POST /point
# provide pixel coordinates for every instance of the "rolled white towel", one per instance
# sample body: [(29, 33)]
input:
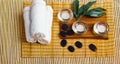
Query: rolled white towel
[(49, 17), (41, 21), (38, 16), (27, 24), (38, 2)]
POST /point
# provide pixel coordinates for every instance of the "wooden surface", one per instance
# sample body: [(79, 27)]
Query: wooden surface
[(105, 48), (10, 37), (90, 34)]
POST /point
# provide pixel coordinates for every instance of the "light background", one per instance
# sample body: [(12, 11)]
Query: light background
[(10, 37)]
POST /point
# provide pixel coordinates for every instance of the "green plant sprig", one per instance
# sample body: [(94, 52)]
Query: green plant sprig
[(84, 10)]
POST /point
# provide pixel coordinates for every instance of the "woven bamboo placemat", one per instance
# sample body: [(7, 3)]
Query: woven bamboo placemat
[(105, 47)]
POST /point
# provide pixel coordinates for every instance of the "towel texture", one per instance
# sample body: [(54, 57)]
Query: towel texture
[(27, 24), (40, 21), (49, 17)]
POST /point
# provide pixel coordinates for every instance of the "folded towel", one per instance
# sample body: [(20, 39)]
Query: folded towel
[(41, 17), (27, 24), (49, 17), (38, 12)]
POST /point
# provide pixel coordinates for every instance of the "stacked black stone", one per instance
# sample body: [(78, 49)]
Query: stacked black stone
[(64, 27), (63, 34), (66, 31), (70, 32)]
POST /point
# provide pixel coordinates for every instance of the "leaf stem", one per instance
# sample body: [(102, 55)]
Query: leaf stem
[(79, 18)]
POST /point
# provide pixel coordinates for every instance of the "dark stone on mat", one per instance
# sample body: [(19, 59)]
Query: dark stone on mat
[(93, 47), (63, 34), (64, 27), (78, 44), (71, 48), (63, 43), (70, 32)]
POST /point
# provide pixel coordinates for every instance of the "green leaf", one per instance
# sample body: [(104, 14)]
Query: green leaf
[(75, 8), (93, 13), (98, 9), (81, 10), (84, 8), (88, 5)]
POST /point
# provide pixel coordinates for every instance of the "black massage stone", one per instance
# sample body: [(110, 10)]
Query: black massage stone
[(64, 27), (71, 48), (63, 43), (93, 47), (63, 34), (78, 44), (70, 32)]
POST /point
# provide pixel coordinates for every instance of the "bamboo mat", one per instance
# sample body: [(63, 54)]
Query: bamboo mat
[(11, 21), (105, 47)]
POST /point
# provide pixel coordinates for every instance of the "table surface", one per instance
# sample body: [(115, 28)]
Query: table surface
[(10, 37)]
